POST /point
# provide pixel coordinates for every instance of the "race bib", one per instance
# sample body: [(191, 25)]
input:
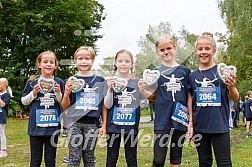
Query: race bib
[(47, 117), (124, 116), (181, 114), (87, 100), (208, 96)]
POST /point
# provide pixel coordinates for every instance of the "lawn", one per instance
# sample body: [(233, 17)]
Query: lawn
[(18, 148)]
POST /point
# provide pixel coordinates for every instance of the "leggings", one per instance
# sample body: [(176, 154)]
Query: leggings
[(130, 147), (161, 142), (3, 137), (82, 141), (36, 146), (221, 148)]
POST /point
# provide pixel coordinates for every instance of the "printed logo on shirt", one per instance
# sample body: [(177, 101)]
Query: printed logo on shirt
[(173, 85)]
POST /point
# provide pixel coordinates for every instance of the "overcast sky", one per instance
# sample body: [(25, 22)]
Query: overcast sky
[(128, 20)]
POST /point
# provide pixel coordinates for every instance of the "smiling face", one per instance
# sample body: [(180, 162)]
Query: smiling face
[(47, 64), (123, 63), (167, 51), (205, 51), (84, 60)]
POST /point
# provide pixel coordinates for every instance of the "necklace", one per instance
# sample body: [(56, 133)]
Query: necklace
[(87, 84), (169, 68), (215, 76)]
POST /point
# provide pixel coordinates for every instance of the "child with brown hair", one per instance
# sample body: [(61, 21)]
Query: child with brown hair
[(44, 94)]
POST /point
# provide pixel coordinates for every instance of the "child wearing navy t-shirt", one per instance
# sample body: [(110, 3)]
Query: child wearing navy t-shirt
[(43, 94), (173, 117), (83, 105), (123, 110), (211, 105), (5, 95)]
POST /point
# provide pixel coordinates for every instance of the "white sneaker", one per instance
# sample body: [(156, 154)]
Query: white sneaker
[(3, 154)]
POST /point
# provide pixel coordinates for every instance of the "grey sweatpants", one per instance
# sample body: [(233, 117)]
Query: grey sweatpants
[(81, 143)]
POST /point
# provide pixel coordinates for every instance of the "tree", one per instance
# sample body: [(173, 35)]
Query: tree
[(147, 57), (237, 15), (30, 27)]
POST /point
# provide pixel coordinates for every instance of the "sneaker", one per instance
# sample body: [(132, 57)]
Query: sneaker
[(3, 154), (66, 159), (248, 134), (94, 159)]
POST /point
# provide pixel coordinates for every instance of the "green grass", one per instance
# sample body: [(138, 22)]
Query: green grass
[(19, 154)]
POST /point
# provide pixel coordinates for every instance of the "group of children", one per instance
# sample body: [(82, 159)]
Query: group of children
[(181, 108)]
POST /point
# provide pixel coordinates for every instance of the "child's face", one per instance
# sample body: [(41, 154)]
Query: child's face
[(84, 60), (2, 86), (205, 51), (123, 63), (47, 64), (167, 51)]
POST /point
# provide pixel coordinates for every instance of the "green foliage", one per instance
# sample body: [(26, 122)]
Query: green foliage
[(28, 28), (244, 86), (238, 51)]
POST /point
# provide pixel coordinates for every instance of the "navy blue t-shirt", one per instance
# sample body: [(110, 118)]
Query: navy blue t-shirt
[(127, 100), (172, 87), (85, 105), (4, 110), (248, 112), (210, 119), (40, 110)]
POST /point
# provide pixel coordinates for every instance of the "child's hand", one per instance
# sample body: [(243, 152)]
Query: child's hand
[(36, 89), (103, 131), (110, 81), (231, 79), (142, 85), (189, 133), (68, 87), (57, 88)]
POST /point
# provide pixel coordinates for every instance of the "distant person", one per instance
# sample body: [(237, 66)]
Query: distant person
[(5, 95), (243, 110), (211, 119), (248, 113)]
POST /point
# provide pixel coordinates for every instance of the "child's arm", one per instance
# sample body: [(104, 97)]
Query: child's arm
[(149, 94), (65, 103), (58, 93), (103, 129), (190, 110), (26, 100), (2, 103), (108, 99)]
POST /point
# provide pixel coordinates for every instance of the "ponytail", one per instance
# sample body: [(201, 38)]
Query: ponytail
[(9, 90)]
